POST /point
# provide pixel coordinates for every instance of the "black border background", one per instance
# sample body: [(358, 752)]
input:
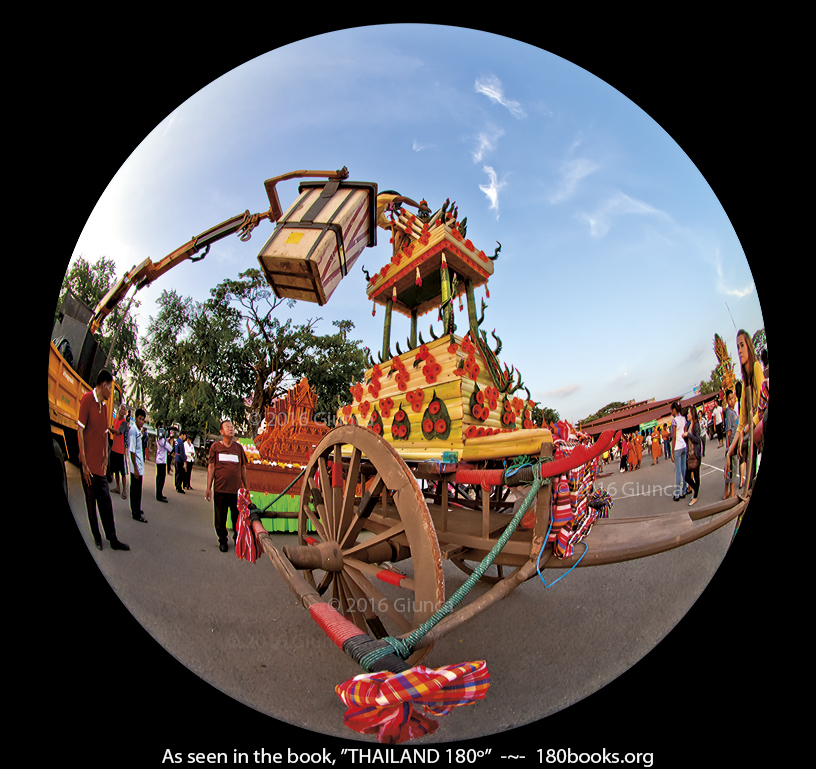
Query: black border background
[(699, 695)]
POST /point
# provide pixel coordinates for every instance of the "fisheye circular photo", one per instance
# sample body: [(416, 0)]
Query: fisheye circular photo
[(408, 386)]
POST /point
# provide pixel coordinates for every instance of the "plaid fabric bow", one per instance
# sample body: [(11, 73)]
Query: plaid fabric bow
[(385, 702), (246, 544)]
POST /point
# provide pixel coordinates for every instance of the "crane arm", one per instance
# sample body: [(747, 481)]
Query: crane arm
[(144, 274)]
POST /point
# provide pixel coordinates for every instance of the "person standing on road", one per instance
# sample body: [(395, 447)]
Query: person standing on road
[(752, 378), (178, 460), (731, 457), (226, 475), (189, 454), (657, 443), (163, 449), (92, 436), (718, 414), (118, 465), (678, 426), (136, 449), (693, 438)]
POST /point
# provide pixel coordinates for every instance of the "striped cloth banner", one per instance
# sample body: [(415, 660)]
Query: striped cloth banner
[(386, 703)]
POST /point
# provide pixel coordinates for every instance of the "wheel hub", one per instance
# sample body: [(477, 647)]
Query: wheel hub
[(324, 555)]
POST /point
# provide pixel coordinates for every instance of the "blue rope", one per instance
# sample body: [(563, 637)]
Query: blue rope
[(540, 552)]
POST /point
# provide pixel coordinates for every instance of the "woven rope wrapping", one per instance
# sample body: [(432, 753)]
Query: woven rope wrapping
[(387, 703), (334, 624)]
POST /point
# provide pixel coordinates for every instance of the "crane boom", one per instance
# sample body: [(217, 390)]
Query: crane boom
[(144, 274)]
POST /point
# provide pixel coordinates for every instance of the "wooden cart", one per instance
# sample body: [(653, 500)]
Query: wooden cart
[(437, 458)]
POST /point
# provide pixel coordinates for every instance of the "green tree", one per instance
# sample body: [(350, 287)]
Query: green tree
[(199, 371), (542, 415), (332, 365), (89, 283)]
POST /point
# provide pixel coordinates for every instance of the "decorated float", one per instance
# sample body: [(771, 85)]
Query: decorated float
[(436, 458), (279, 453)]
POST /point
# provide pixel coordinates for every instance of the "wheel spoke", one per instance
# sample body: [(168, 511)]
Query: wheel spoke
[(383, 536), (350, 495), (326, 493), (315, 515), (364, 509), (382, 604), (337, 490), (361, 606), (372, 570)]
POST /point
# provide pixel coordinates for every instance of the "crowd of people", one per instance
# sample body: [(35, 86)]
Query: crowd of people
[(682, 439), (118, 453)]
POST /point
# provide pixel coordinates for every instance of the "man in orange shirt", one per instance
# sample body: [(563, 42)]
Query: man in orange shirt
[(92, 436), (118, 464)]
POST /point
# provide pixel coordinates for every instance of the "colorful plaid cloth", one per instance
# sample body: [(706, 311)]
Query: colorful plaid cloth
[(385, 703), (246, 544)]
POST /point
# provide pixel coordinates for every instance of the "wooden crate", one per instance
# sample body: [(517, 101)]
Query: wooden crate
[(319, 239)]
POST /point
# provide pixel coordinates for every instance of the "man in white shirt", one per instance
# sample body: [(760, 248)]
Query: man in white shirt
[(189, 451), (678, 425), (136, 451), (163, 448), (718, 424)]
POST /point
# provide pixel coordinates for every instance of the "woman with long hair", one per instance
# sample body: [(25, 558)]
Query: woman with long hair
[(693, 441), (752, 378)]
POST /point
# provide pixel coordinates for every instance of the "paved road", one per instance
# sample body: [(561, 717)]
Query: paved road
[(241, 633)]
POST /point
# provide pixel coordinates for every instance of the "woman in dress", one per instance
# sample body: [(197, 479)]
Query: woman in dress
[(692, 436)]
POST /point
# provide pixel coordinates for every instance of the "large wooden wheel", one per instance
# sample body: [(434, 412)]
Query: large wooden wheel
[(367, 514)]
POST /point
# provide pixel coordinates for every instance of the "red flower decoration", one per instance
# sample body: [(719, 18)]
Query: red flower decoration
[(441, 426), (427, 426), (434, 407)]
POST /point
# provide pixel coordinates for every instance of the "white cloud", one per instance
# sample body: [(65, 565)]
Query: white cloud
[(492, 88), (601, 220), (417, 147), (486, 142), (572, 173), (722, 286), (492, 189)]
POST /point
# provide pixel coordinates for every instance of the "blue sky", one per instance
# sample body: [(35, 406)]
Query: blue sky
[(618, 263)]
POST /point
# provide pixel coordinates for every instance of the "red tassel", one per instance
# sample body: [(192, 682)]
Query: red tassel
[(418, 280)]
